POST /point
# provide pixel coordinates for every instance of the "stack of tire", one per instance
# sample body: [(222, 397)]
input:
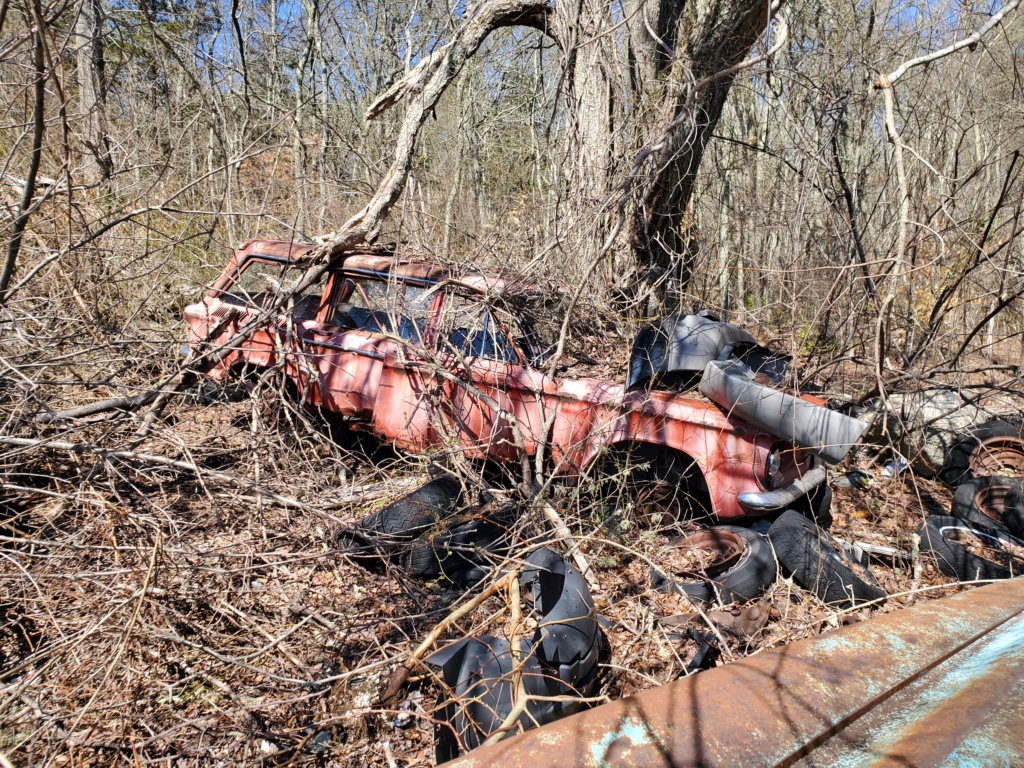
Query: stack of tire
[(982, 538)]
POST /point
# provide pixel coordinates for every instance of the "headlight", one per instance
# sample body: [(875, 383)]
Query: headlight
[(773, 468)]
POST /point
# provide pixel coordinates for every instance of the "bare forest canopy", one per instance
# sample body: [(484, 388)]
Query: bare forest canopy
[(601, 145), (845, 180)]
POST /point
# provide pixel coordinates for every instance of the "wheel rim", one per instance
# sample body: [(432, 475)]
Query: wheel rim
[(998, 456), (991, 501), (727, 548), (992, 549)]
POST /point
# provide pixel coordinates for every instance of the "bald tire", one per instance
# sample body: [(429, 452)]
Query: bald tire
[(819, 564)]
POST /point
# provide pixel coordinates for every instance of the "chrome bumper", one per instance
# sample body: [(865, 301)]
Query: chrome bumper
[(766, 501)]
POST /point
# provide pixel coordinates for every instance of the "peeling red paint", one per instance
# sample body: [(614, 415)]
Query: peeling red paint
[(417, 397)]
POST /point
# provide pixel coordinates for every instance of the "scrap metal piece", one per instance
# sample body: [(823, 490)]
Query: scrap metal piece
[(825, 433), (685, 344), (939, 684), (744, 623)]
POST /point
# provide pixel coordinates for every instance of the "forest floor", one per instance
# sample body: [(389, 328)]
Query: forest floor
[(151, 615)]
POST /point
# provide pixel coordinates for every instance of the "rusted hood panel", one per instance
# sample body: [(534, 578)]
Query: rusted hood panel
[(937, 684)]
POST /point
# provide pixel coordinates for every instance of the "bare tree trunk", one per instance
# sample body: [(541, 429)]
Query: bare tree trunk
[(588, 150), (92, 88), (691, 52), (38, 127), (723, 243), (456, 185)]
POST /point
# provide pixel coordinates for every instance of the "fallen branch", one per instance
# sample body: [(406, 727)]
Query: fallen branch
[(565, 535), (401, 674), (100, 406), (430, 83)]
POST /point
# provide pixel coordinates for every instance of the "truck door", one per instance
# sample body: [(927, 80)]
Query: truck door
[(364, 348), (491, 392)]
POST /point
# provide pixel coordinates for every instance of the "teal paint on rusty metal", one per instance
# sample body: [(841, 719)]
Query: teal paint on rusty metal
[(940, 710), (936, 684), (632, 729)]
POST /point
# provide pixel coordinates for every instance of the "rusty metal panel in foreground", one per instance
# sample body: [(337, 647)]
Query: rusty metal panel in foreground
[(938, 684)]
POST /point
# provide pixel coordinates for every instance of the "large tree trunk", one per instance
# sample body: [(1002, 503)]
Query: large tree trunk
[(674, 77), (677, 70), (582, 27)]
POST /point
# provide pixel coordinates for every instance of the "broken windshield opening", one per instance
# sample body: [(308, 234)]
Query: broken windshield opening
[(257, 281)]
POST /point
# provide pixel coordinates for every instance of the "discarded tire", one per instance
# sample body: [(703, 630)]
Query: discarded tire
[(970, 552), (983, 501), (817, 506), (459, 546), (1013, 511), (743, 566), (559, 660), (994, 447), (819, 564), (389, 531), (415, 512)]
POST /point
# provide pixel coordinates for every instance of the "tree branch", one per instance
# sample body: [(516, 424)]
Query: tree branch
[(38, 126), (885, 81)]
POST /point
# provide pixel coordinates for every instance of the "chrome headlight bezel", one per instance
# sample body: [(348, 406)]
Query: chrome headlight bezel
[(773, 467)]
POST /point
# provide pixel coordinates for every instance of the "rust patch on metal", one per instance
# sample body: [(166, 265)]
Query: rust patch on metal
[(991, 500), (998, 456), (725, 547)]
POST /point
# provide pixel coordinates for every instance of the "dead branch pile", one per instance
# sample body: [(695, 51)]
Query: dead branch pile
[(157, 613)]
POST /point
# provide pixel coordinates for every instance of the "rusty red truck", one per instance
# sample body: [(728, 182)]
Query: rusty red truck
[(424, 358)]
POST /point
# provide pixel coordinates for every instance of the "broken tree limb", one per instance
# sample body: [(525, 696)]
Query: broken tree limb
[(520, 699), (100, 406), (565, 535)]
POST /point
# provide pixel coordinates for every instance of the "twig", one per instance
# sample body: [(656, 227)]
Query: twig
[(59, 445), (401, 674), (565, 535), (915, 558), (520, 698), (126, 636)]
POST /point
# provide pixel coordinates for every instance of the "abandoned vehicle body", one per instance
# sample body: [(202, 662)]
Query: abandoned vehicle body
[(424, 358)]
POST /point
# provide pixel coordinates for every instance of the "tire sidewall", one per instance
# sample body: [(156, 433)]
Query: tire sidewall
[(957, 561), (956, 468), (748, 578), (965, 507), (819, 564)]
